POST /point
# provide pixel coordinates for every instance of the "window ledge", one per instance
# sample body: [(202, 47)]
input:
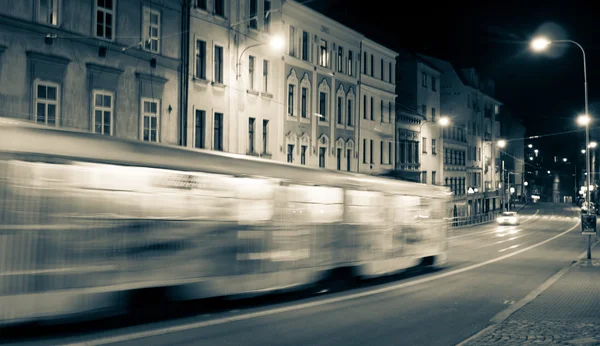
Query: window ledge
[(266, 155), (323, 123), (266, 95), (350, 127), (305, 120), (339, 126), (219, 85), (255, 154), (252, 92), (200, 81)]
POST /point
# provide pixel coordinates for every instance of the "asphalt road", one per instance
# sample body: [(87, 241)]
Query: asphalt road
[(490, 268)]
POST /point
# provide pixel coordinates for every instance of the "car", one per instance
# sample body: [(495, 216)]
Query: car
[(508, 218)]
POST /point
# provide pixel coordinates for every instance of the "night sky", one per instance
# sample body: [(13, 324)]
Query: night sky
[(545, 90)]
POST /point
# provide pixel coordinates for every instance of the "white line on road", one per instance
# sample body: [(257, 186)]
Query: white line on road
[(246, 316), (510, 247), (489, 231)]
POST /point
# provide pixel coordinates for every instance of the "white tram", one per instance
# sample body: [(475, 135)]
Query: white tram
[(85, 218)]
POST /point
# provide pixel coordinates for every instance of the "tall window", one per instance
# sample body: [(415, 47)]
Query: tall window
[(251, 62), (303, 154), (382, 71), (382, 112), (349, 113), (389, 112), (104, 18), (292, 41), (253, 9), (348, 159), (365, 63), (218, 65), (423, 79), (200, 129), (251, 122), (390, 151), (381, 152), (350, 63), (323, 106), (365, 107), (364, 150), (266, 75), (218, 132), (372, 66), (424, 110), (433, 146), (200, 59), (150, 118), (48, 12), (340, 60), (265, 136), (433, 83), (201, 4), (371, 151), (323, 54), (290, 153), (267, 16), (220, 8), (291, 99), (151, 30), (305, 45), (424, 145), (303, 105), (322, 152), (47, 103), (372, 109), (103, 112), (339, 159), (390, 72), (340, 110), (433, 114)]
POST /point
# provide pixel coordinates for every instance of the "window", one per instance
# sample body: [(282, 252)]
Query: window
[(47, 101), (423, 79), (371, 151), (251, 122), (372, 66), (104, 18), (303, 154), (424, 177), (291, 99), (251, 61), (103, 112), (349, 113), (364, 150), (218, 132), (340, 110), (265, 136), (200, 129), (340, 61), (201, 4), (365, 63), (303, 112), (382, 73), (433, 146), (266, 75), (433, 114), (323, 54), (200, 59), (390, 151), (322, 152), (267, 16), (218, 65), (150, 115), (151, 33), (290, 153), (390, 72), (424, 145), (433, 177), (220, 8), (389, 112), (433, 83), (350, 63), (339, 159), (305, 45), (381, 152), (348, 159), (424, 110), (48, 12), (253, 10), (323, 106), (382, 112), (372, 108), (365, 107), (292, 41)]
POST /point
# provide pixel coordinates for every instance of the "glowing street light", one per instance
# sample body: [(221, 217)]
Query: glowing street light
[(564, 159), (530, 146), (536, 151), (539, 44), (583, 119), (276, 42), (444, 121), (525, 183), (593, 145), (501, 143), (583, 151)]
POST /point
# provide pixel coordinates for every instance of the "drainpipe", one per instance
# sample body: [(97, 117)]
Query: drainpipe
[(184, 72)]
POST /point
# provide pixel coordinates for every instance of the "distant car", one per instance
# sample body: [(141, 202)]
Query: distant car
[(508, 218)]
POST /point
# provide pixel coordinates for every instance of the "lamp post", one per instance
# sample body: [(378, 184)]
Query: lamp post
[(276, 42), (502, 145), (540, 44), (442, 122)]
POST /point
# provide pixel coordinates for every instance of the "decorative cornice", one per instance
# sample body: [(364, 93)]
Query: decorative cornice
[(47, 58), (102, 69), (144, 77)]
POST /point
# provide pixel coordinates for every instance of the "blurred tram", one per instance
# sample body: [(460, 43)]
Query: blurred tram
[(87, 219)]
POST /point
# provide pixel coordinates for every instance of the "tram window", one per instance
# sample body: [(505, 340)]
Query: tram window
[(406, 209), (364, 207), (313, 204)]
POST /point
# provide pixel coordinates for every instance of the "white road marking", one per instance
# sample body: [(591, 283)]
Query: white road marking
[(510, 247), (250, 315), (489, 231)]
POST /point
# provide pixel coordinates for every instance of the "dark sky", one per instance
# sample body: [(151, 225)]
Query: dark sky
[(545, 90)]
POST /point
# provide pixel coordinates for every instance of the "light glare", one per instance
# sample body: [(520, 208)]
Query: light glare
[(583, 119), (539, 44), (444, 121), (593, 144), (277, 43), (501, 143)]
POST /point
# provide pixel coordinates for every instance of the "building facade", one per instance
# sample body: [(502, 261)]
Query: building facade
[(97, 66), (418, 103)]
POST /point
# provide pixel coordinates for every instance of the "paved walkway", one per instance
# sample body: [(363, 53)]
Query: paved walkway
[(567, 313)]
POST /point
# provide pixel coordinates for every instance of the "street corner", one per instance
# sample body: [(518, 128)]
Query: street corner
[(588, 263)]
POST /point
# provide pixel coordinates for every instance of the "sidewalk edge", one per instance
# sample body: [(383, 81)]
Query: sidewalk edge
[(479, 334)]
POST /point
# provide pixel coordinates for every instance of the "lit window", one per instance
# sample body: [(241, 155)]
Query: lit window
[(324, 54)]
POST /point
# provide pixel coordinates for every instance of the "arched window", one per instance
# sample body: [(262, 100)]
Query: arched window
[(305, 99), (350, 104), (292, 92), (340, 106), (323, 104)]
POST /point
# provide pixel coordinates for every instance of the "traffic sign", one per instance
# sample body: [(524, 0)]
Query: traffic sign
[(588, 224)]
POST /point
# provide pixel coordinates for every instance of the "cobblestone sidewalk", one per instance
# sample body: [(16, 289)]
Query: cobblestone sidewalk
[(567, 313)]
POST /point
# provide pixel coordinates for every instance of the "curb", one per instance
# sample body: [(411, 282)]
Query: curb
[(502, 316)]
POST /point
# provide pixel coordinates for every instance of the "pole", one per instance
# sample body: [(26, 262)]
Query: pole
[(502, 184), (587, 152), (509, 194)]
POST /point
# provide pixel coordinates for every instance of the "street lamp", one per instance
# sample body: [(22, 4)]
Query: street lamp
[(442, 122), (539, 44), (530, 146), (275, 42), (564, 159)]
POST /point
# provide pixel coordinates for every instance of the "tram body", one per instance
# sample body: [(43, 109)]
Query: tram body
[(84, 219)]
